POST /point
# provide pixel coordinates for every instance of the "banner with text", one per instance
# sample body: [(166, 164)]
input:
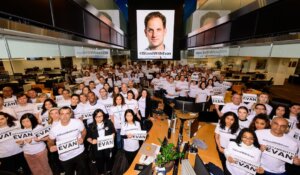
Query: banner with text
[(139, 135), (217, 52), (64, 146), (43, 132), (105, 142), (279, 151), (217, 100), (92, 52), (6, 134), (22, 134), (249, 98)]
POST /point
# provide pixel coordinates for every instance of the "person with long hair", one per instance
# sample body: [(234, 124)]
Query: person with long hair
[(116, 115), (245, 148), (227, 128), (11, 154), (44, 114), (145, 106), (100, 127), (295, 135), (35, 151), (260, 121), (131, 124), (202, 96), (116, 91), (132, 103)]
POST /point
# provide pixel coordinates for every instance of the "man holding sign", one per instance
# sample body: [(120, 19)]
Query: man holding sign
[(69, 135), (277, 147)]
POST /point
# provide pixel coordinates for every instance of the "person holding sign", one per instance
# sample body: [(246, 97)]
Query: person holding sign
[(10, 100), (277, 147), (44, 114), (34, 149), (233, 106), (227, 128), (295, 134), (244, 122), (243, 154), (7, 110), (100, 128), (69, 134), (131, 146), (11, 154)]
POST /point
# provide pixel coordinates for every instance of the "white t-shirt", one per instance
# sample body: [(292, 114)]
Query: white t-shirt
[(231, 107), (184, 87), (225, 135), (193, 90), (244, 123), (132, 104), (9, 111), (10, 102), (38, 107), (100, 129), (270, 163), (89, 109), (71, 131), (118, 113), (250, 154), (108, 103), (201, 95), (295, 135), (63, 103), (34, 147), (8, 145), (77, 111), (130, 144), (44, 117), (20, 110), (170, 88), (142, 106), (156, 84)]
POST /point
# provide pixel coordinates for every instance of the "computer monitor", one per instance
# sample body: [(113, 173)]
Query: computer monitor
[(147, 170), (199, 167), (185, 106)]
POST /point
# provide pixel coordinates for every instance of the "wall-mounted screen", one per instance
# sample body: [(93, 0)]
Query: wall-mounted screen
[(155, 34)]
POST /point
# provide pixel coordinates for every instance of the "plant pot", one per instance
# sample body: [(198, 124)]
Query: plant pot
[(169, 166)]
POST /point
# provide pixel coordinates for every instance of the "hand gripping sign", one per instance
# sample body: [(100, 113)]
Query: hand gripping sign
[(105, 142)]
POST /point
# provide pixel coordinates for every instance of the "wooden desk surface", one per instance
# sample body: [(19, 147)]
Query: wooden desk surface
[(205, 133)]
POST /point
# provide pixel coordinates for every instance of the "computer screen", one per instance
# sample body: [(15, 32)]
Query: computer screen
[(199, 167)]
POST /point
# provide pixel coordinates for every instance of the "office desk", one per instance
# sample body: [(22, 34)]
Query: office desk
[(160, 129)]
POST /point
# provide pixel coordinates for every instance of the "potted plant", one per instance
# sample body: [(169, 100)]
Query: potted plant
[(167, 156)]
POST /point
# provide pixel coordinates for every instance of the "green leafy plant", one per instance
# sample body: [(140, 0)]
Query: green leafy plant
[(168, 153)]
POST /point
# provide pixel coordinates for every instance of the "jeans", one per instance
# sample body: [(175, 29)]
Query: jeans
[(119, 139)]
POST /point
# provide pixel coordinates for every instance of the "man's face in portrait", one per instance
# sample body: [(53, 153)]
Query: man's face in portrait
[(155, 32)]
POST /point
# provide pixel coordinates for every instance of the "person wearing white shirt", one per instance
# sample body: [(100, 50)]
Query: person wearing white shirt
[(79, 90), (69, 129), (32, 96), (89, 109), (23, 107), (134, 90), (131, 102), (227, 128), (11, 154), (76, 108), (131, 146), (34, 149), (193, 90), (10, 100), (294, 111), (233, 106), (116, 115), (258, 109), (124, 90), (93, 88), (275, 139), (43, 115), (155, 82), (244, 121), (182, 87), (66, 100), (244, 148), (202, 96), (295, 135), (263, 98), (105, 100), (171, 90), (8, 110)]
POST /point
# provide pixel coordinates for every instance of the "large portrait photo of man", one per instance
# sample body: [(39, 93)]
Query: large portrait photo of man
[(155, 33)]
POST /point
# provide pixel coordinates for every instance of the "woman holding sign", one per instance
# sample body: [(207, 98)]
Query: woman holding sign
[(35, 151), (11, 154), (44, 114), (131, 146), (98, 130), (243, 154)]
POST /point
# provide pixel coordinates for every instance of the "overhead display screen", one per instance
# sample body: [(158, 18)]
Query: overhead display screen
[(155, 34)]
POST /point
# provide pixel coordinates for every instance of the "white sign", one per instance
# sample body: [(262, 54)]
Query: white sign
[(92, 52), (22, 134), (11, 102), (6, 134), (245, 165), (204, 53), (251, 98), (217, 90), (217, 100), (105, 142), (87, 115), (67, 145), (139, 135), (38, 106), (43, 132), (276, 151)]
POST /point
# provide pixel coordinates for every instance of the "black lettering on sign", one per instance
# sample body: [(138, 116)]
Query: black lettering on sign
[(21, 135), (67, 146), (43, 132), (281, 154)]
